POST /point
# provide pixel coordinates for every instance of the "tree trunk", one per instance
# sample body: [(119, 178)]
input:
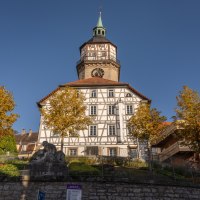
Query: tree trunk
[(196, 157), (62, 143), (150, 156)]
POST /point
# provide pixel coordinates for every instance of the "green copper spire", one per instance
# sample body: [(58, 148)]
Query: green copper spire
[(99, 30), (99, 23)]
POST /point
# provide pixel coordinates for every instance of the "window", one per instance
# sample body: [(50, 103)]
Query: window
[(129, 109), (23, 148), (128, 95), (112, 151), (91, 54), (111, 130), (92, 151), (110, 93), (93, 110), (103, 53), (93, 94), (99, 32), (133, 152), (93, 130), (111, 110), (102, 32), (72, 152)]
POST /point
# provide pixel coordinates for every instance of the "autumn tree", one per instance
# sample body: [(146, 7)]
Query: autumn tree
[(64, 113), (7, 118), (146, 124), (188, 118)]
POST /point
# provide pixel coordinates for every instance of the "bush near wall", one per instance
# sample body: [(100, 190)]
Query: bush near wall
[(7, 144)]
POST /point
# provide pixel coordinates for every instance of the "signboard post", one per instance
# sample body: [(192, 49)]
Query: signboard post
[(74, 192), (41, 195)]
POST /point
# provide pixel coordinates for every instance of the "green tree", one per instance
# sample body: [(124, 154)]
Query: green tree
[(65, 113), (7, 143), (188, 118), (146, 125), (7, 118)]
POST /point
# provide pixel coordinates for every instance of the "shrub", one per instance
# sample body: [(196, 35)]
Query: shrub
[(9, 170), (121, 161), (7, 158), (82, 159), (7, 144), (20, 164), (82, 169), (138, 164)]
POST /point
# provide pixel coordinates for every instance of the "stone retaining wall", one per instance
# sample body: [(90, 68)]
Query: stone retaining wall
[(97, 191)]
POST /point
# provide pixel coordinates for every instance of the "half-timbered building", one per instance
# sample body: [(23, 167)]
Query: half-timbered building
[(108, 100)]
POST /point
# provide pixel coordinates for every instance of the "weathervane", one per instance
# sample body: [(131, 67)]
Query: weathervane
[(100, 7)]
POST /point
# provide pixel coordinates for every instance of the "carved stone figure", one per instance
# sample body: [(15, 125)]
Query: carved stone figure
[(48, 153), (48, 162)]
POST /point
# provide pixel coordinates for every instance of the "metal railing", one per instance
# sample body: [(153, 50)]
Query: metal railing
[(98, 58), (172, 150)]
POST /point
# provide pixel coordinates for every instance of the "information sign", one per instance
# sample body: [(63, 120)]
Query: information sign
[(74, 192)]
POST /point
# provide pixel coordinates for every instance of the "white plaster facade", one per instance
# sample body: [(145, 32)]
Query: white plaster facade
[(111, 106)]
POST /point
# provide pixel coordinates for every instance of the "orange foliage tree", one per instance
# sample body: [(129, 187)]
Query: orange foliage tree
[(64, 113), (188, 118), (7, 118)]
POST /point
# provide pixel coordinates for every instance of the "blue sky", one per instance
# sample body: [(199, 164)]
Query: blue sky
[(158, 46)]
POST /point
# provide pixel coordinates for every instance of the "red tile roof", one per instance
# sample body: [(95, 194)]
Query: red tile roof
[(26, 138), (167, 123), (95, 81)]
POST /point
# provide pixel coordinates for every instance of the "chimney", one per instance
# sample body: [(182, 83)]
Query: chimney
[(23, 131), (30, 132)]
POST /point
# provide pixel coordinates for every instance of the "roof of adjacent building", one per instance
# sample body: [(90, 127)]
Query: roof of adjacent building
[(26, 138), (93, 82)]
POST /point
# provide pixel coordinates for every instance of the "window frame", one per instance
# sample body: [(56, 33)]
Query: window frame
[(93, 110), (71, 149), (92, 150), (111, 109), (111, 93), (133, 152), (112, 131), (93, 93), (129, 109), (92, 131), (114, 149), (128, 95)]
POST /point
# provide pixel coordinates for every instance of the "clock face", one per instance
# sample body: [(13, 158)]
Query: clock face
[(97, 72)]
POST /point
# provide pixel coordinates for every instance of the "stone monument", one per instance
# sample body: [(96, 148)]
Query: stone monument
[(48, 163)]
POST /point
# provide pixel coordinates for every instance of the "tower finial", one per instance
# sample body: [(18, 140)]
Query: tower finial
[(99, 30), (99, 22), (100, 7)]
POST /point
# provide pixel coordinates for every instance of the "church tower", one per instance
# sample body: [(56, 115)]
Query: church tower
[(98, 56)]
